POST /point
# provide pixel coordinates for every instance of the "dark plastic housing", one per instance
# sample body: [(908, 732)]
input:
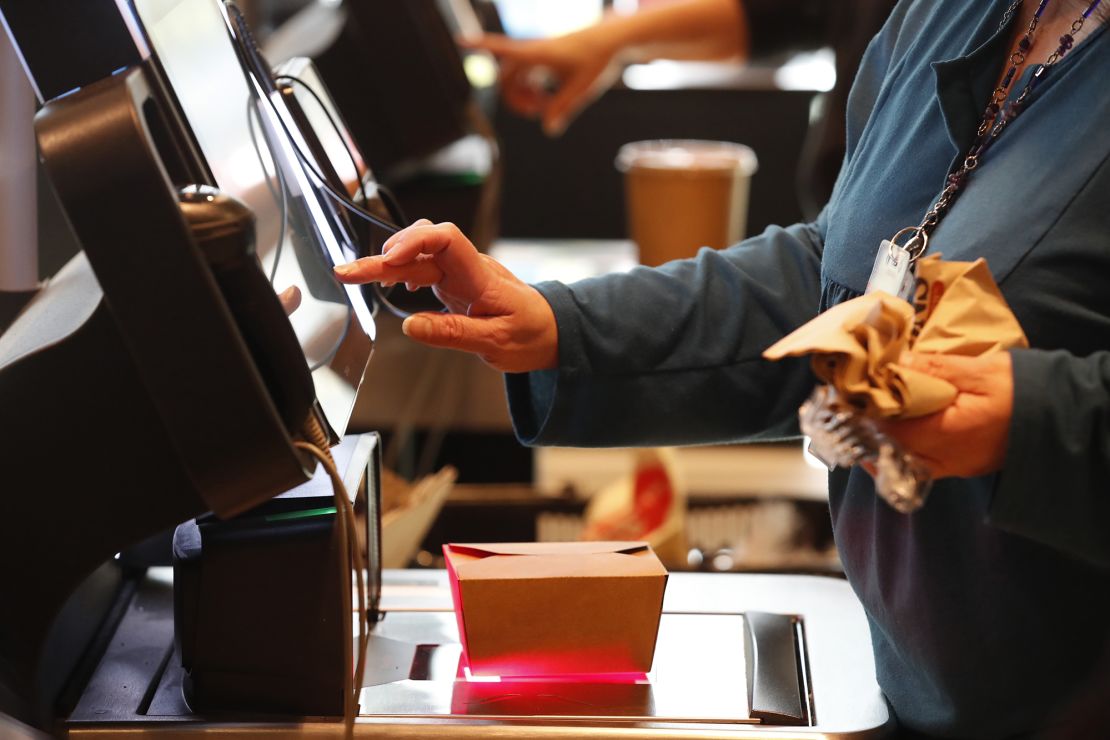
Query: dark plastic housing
[(263, 616), (148, 412), (396, 74)]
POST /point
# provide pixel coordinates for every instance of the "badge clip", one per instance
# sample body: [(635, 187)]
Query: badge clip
[(893, 271)]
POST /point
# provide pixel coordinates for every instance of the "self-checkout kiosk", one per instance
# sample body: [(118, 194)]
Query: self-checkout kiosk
[(175, 377), (157, 377)]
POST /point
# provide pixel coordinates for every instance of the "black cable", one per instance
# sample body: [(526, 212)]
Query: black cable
[(392, 203), (381, 293), (253, 62), (334, 124), (284, 205)]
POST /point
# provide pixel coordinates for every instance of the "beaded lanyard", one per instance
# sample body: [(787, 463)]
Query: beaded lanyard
[(893, 264)]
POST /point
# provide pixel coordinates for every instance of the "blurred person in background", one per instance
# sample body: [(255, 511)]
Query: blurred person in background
[(553, 79)]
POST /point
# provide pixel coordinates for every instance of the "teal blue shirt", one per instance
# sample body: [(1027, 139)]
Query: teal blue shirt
[(989, 607)]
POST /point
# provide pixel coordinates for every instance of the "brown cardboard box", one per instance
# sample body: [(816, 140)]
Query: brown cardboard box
[(544, 609)]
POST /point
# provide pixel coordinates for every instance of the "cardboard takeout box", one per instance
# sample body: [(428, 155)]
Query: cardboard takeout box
[(545, 609)]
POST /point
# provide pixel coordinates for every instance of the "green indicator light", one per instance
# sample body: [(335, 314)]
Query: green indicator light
[(306, 514)]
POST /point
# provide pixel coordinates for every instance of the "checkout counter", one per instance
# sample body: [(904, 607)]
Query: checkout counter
[(738, 656)]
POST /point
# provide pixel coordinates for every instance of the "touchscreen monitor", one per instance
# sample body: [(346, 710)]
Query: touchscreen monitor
[(257, 154)]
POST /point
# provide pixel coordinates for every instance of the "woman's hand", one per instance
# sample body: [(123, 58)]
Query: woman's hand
[(969, 437), (492, 313), (553, 79)]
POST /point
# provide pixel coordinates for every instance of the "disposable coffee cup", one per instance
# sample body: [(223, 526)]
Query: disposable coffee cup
[(682, 195)]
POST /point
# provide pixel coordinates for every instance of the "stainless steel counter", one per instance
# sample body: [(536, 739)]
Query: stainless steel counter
[(695, 690)]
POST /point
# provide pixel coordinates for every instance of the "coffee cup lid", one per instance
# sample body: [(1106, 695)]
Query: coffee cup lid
[(687, 154)]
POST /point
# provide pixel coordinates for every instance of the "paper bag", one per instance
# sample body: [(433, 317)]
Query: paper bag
[(856, 346)]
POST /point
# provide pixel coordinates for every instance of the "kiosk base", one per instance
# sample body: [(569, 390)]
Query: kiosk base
[(698, 688)]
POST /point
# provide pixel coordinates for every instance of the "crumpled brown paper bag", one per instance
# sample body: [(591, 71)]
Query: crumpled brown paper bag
[(856, 345)]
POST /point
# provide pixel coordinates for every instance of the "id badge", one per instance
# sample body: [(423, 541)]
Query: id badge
[(892, 272)]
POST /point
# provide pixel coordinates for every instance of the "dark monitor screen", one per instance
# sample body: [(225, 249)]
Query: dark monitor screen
[(394, 70), (92, 31), (255, 152)]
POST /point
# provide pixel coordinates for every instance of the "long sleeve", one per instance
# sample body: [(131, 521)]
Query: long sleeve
[(1054, 485), (673, 354)]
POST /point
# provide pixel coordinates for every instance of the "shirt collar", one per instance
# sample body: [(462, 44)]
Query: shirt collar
[(964, 83)]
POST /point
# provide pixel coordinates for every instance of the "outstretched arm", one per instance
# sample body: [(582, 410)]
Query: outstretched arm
[(583, 62), (667, 355)]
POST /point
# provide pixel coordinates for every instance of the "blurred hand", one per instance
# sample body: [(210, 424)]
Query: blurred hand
[(579, 66), (582, 64), (969, 437), (492, 313)]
